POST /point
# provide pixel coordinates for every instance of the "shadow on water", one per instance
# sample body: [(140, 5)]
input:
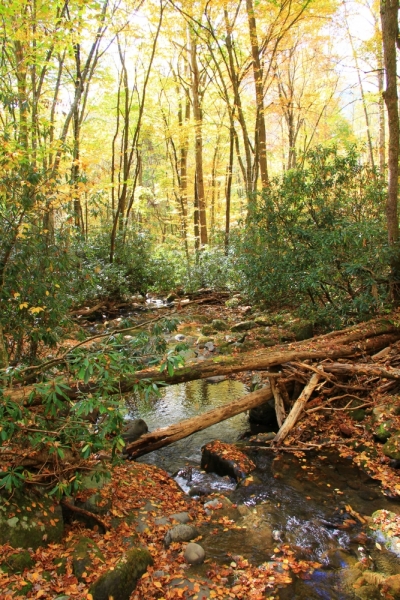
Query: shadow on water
[(299, 501)]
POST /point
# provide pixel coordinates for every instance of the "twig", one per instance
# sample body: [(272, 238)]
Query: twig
[(85, 513)]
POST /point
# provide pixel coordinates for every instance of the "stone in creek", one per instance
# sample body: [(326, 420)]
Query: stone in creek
[(198, 490), (194, 554), (133, 430), (180, 533), (226, 459)]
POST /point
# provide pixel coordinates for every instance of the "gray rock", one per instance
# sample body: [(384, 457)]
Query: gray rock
[(194, 554), (180, 337), (120, 582), (209, 346), (161, 521), (182, 517), (134, 430), (244, 326), (180, 533)]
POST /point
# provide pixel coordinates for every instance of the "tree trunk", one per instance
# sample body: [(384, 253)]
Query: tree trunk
[(258, 80), (354, 343), (389, 18), (3, 350), (168, 435), (198, 127)]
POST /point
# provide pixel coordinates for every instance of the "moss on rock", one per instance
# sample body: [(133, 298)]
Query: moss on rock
[(120, 582)]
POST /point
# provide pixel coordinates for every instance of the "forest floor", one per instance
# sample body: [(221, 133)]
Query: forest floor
[(133, 485)]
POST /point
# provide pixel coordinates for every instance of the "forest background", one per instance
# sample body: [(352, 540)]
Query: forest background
[(154, 146)]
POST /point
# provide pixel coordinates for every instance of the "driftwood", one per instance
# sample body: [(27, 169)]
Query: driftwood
[(297, 409), (167, 435)]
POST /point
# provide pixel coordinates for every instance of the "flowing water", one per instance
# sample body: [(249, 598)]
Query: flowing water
[(299, 501)]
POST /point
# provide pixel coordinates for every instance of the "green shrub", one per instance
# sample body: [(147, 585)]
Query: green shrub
[(316, 239)]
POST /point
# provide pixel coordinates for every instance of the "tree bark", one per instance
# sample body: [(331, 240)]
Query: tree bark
[(168, 435), (389, 18)]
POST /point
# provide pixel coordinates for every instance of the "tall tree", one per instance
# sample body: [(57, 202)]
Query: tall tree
[(390, 36)]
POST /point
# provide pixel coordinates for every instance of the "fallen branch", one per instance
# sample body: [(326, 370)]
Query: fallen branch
[(297, 409), (84, 513), (168, 435), (279, 406)]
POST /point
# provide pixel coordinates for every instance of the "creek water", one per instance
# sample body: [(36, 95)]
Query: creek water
[(301, 501)]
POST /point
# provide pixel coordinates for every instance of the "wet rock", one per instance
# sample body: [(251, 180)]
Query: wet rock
[(225, 459), (199, 490), (382, 524), (180, 533), (120, 582), (194, 554), (83, 554), (134, 430), (171, 297), (392, 446), (30, 521), (265, 415), (244, 326), (219, 325)]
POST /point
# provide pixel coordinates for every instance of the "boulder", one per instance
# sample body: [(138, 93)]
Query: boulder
[(194, 554), (226, 459), (18, 562), (120, 582), (30, 520), (384, 431), (83, 554), (133, 430)]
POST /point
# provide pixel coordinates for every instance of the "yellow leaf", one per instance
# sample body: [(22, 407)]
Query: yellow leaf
[(36, 309), (47, 293), (23, 305)]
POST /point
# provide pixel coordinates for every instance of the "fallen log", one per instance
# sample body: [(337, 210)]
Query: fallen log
[(363, 369), (279, 406), (297, 409), (168, 435), (226, 365)]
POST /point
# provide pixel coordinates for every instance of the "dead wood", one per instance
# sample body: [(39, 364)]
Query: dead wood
[(259, 360), (362, 369), (297, 409), (167, 435), (279, 406)]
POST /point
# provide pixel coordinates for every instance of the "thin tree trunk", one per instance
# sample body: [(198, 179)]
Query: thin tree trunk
[(258, 80), (198, 127), (228, 187)]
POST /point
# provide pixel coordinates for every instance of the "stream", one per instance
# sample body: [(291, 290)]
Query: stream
[(300, 501)]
